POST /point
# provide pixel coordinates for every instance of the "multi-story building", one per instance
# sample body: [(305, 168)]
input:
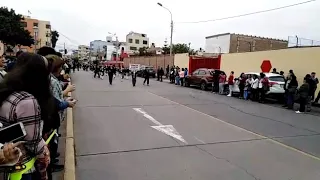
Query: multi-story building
[(97, 46), (237, 43), (40, 32), (83, 52), (135, 41)]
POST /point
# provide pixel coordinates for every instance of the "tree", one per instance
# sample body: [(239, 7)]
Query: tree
[(166, 50), (12, 30), (180, 48), (54, 38)]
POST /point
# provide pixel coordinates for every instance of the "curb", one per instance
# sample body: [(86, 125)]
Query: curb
[(69, 162)]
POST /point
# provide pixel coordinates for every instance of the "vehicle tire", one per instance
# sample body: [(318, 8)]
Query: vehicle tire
[(203, 86)]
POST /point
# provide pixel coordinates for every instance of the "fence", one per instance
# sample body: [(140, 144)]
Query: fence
[(154, 61), (294, 41)]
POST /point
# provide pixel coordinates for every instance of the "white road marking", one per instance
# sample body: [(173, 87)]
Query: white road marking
[(166, 129), (146, 115), (199, 140)]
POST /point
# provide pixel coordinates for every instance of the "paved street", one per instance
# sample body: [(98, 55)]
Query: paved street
[(166, 132)]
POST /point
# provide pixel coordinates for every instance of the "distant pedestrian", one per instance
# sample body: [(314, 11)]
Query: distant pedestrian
[(161, 73), (146, 76)]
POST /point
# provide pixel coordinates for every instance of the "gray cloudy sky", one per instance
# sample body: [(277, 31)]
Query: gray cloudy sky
[(85, 20)]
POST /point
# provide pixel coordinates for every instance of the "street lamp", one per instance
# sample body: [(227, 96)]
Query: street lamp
[(171, 27)]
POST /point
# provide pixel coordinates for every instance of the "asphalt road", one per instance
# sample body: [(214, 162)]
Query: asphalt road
[(166, 132)]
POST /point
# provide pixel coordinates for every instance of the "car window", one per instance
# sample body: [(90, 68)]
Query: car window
[(276, 78), (202, 72), (195, 72)]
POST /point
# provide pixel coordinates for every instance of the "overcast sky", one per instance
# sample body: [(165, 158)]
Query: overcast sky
[(85, 20)]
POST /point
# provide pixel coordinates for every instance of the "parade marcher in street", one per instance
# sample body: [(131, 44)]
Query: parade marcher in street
[(134, 78), (111, 73), (96, 71), (146, 76)]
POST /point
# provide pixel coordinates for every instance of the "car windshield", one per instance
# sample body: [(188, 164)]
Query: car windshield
[(276, 78)]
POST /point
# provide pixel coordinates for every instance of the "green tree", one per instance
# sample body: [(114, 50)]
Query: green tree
[(12, 30), (180, 48), (54, 38), (166, 50)]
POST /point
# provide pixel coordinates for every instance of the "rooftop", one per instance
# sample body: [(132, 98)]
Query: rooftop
[(224, 34)]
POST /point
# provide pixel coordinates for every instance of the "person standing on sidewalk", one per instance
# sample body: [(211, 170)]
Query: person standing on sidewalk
[(303, 96), (230, 83), (222, 81), (181, 75)]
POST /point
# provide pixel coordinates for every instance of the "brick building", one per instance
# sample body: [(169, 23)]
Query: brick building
[(237, 43)]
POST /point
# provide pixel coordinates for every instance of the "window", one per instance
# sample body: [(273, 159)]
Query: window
[(202, 72), (35, 24), (130, 40), (133, 48), (48, 26), (145, 42), (195, 72), (24, 24), (276, 78), (137, 41)]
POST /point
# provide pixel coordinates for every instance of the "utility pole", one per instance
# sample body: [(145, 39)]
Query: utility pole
[(171, 46)]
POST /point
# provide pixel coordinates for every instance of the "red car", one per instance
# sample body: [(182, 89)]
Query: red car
[(202, 77)]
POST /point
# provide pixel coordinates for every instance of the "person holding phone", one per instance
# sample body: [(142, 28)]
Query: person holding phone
[(24, 97)]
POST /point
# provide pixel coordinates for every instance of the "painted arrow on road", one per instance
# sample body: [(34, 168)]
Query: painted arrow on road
[(166, 129)]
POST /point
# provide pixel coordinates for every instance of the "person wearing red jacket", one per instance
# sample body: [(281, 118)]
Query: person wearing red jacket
[(230, 83)]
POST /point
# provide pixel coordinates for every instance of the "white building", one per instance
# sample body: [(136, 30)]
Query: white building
[(135, 41), (97, 45), (218, 43), (83, 52)]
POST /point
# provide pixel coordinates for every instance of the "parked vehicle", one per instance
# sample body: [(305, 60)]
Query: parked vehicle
[(202, 77), (276, 83), (152, 72)]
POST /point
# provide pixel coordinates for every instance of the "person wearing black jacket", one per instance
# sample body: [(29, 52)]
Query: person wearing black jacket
[(161, 73), (312, 86), (146, 76), (111, 72), (291, 90)]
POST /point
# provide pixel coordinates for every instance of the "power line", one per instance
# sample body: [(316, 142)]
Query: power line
[(248, 14)]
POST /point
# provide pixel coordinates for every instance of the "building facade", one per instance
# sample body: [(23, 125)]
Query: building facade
[(97, 46), (40, 32), (135, 41), (83, 52), (237, 43)]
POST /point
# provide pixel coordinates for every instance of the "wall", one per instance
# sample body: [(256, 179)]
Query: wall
[(253, 43), (154, 61), (301, 60), (214, 42), (181, 60)]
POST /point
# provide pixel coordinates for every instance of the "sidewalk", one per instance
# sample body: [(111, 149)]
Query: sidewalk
[(61, 150)]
